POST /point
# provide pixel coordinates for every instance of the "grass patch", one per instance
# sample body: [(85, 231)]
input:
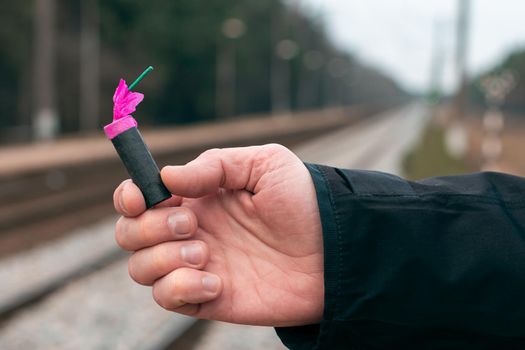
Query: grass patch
[(430, 157)]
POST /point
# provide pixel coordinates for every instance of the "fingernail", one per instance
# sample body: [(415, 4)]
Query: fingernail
[(191, 253), (211, 283), (179, 224)]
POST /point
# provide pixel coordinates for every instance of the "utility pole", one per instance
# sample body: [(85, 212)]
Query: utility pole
[(284, 51), (276, 67), (89, 65), (309, 93), (45, 117), (496, 88), (456, 137), (437, 64), (462, 42), (232, 29)]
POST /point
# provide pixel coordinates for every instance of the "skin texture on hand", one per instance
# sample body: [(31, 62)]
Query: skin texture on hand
[(240, 240)]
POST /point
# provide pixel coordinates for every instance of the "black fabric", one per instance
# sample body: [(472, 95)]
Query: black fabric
[(433, 264)]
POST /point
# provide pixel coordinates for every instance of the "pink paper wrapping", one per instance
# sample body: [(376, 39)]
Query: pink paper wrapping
[(124, 104)]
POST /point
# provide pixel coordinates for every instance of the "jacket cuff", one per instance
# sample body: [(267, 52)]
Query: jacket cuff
[(312, 336)]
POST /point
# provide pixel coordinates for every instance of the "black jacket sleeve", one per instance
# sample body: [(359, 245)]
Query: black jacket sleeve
[(433, 264)]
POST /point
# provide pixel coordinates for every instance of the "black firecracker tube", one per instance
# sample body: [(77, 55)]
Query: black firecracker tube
[(141, 166)]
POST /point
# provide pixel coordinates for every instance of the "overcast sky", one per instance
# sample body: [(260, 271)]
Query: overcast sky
[(397, 35)]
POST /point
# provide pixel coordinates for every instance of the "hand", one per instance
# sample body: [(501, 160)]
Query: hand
[(240, 241)]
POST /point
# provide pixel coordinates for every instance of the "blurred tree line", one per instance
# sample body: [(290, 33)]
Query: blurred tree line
[(213, 59), (513, 68)]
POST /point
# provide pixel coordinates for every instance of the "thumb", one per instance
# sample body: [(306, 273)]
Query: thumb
[(229, 168)]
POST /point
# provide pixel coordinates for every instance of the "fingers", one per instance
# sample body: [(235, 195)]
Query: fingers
[(129, 201), (155, 226), (230, 168), (186, 286), (147, 265)]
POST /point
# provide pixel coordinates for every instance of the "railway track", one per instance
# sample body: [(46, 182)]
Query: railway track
[(54, 203)]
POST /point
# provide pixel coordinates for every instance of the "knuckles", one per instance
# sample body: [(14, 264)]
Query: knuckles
[(120, 232), (157, 297), (166, 293), (127, 230), (147, 265), (211, 153)]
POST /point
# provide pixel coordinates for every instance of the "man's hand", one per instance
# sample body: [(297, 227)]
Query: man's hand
[(240, 241)]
